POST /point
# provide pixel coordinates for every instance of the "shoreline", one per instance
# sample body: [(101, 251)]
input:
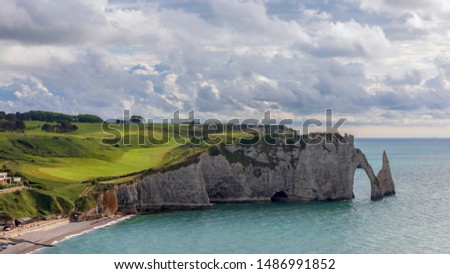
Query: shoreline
[(47, 236)]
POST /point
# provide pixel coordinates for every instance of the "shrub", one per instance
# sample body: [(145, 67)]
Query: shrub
[(213, 151)]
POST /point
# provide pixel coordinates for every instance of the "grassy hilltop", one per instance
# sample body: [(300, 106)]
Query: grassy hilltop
[(57, 164)]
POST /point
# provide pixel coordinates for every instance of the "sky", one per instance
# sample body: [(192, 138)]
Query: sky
[(382, 64)]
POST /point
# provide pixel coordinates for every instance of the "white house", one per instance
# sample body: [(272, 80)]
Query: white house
[(4, 179)]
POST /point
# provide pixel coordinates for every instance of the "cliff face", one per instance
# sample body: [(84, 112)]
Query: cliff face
[(317, 172), (107, 202), (179, 189), (254, 173)]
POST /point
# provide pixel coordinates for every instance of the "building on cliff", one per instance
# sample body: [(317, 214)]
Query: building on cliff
[(4, 179)]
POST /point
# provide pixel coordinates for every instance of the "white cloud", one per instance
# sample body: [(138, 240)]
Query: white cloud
[(416, 21), (427, 16), (142, 69), (348, 39), (36, 88), (16, 55)]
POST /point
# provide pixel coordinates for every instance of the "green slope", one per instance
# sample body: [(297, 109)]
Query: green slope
[(57, 164)]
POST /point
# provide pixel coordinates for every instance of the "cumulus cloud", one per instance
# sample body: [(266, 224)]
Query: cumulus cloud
[(142, 69), (28, 93), (36, 89), (425, 17), (225, 58), (348, 39)]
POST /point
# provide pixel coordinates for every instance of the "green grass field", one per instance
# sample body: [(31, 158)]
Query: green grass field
[(57, 164), (81, 169)]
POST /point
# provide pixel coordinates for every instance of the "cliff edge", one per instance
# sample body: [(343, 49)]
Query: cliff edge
[(263, 172)]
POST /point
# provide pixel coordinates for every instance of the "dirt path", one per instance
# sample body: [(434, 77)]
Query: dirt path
[(12, 189)]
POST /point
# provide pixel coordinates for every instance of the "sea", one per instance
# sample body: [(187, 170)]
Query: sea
[(415, 220)]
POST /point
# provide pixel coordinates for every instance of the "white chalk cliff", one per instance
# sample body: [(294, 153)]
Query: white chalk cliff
[(261, 172)]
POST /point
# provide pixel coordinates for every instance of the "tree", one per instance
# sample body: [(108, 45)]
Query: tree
[(20, 125), (7, 126), (47, 128), (88, 118), (10, 117), (137, 119), (63, 127), (2, 115)]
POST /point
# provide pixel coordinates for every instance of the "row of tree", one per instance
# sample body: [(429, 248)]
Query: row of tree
[(12, 125), (52, 117), (63, 127), (135, 119), (9, 122), (15, 121)]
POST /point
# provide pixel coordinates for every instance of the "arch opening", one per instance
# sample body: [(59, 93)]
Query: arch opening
[(279, 196), (362, 186)]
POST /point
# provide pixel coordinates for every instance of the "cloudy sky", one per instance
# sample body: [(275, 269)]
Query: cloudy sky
[(384, 64)]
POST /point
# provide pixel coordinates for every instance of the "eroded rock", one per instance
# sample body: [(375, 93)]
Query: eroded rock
[(320, 172)]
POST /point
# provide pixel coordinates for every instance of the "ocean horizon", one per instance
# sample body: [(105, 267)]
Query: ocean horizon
[(415, 220)]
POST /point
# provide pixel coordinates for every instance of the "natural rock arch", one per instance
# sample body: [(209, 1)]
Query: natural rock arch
[(382, 184)]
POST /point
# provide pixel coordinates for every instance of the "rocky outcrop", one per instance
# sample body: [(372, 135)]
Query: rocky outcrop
[(382, 184), (263, 172), (107, 203), (385, 177)]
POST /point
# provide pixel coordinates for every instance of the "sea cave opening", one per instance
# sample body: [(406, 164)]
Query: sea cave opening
[(279, 196)]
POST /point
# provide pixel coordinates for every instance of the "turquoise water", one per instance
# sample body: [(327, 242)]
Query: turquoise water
[(416, 220)]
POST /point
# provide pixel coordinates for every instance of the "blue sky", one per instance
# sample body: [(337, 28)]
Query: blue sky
[(385, 65)]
